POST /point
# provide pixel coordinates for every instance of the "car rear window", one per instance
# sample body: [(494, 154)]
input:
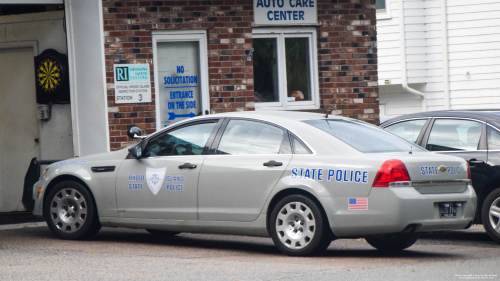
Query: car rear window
[(364, 137)]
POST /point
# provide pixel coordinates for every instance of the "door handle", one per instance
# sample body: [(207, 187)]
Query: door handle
[(474, 161), (273, 163), (187, 166)]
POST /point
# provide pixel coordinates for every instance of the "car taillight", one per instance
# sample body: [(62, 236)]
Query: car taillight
[(468, 170), (391, 171)]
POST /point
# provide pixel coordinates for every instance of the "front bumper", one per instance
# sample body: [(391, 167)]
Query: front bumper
[(393, 210), (37, 210)]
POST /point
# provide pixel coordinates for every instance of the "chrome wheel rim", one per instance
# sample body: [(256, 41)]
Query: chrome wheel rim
[(68, 210), (495, 215), (295, 225)]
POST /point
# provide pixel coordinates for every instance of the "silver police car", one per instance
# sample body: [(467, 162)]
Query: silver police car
[(304, 179)]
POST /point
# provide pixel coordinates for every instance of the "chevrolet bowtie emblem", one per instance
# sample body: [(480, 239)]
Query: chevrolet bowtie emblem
[(442, 168)]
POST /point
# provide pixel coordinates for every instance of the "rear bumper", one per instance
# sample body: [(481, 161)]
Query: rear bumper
[(393, 210)]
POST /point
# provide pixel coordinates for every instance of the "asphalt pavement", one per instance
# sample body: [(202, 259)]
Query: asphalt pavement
[(31, 252)]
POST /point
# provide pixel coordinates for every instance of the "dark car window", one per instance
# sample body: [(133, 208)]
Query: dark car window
[(408, 130), (363, 137), (190, 140), (249, 137), (493, 139), (453, 134)]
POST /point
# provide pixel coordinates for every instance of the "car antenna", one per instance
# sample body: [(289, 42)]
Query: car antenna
[(326, 116), (411, 148)]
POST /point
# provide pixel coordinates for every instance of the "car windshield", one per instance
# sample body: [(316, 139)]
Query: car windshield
[(364, 137)]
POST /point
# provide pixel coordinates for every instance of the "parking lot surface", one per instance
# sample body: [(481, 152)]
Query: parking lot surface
[(31, 252)]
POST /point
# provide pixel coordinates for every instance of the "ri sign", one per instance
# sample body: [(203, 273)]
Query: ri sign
[(132, 83), (285, 12)]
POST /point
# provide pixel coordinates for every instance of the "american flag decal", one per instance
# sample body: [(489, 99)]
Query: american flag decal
[(358, 203)]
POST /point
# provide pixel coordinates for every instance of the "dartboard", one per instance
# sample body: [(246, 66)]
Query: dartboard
[(49, 75)]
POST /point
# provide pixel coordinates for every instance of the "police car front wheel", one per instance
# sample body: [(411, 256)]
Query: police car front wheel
[(298, 227), (70, 211)]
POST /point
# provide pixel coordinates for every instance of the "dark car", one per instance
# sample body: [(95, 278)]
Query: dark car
[(472, 135)]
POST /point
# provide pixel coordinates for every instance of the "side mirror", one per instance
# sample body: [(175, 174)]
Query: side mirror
[(134, 133), (136, 151)]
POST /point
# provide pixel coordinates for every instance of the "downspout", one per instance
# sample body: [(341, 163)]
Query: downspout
[(402, 40), (446, 76)]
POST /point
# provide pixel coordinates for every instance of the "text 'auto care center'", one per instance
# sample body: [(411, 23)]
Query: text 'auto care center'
[(289, 10), (171, 60)]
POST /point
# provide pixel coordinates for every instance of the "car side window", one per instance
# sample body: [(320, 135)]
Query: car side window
[(299, 147), (249, 137), (493, 138), (408, 130), (190, 140), (452, 134)]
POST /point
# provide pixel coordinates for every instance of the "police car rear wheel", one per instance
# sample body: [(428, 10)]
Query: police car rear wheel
[(392, 242), (490, 215), (162, 233), (298, 226), (70, 211)]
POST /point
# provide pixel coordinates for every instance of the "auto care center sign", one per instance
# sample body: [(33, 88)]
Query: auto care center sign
[(285, 12), (132, 83)]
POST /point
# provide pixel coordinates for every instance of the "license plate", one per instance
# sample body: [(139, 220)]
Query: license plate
[(448, 210)]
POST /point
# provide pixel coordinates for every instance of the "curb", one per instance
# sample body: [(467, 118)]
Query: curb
[(22, 225)]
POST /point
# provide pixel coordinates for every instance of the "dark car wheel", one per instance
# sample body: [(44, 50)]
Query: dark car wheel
[(298, 228), (162, 233), (392, 242), (490, 214), (70, 211)]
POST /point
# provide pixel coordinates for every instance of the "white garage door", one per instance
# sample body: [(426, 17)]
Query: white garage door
[(18, 124)]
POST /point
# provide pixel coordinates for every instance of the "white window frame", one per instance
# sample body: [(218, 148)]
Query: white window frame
[(384, 13), (280, 34), (181, 36)]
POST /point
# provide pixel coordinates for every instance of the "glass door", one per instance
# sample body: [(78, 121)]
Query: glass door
[(181, 69)]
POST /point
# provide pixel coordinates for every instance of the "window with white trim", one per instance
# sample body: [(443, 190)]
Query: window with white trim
[(383, 9), (285, 69)]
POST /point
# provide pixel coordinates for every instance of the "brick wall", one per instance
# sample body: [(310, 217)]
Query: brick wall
[(347, 72)]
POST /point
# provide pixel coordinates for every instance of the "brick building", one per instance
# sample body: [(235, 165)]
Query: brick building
[(151, 63), (229, 55)]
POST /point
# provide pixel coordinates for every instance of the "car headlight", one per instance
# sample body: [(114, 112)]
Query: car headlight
[(44, 172)]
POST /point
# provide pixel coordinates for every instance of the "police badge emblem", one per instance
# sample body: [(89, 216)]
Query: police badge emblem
[(154, 178)]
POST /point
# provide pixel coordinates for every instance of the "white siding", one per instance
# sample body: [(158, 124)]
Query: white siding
[(398, 102), (474, 44), (473, 51), (389, 55)]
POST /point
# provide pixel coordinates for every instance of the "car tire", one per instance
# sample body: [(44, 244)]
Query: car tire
[(162, 233), (70, 211), (392, 242), (298, 227), (490, 214)]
